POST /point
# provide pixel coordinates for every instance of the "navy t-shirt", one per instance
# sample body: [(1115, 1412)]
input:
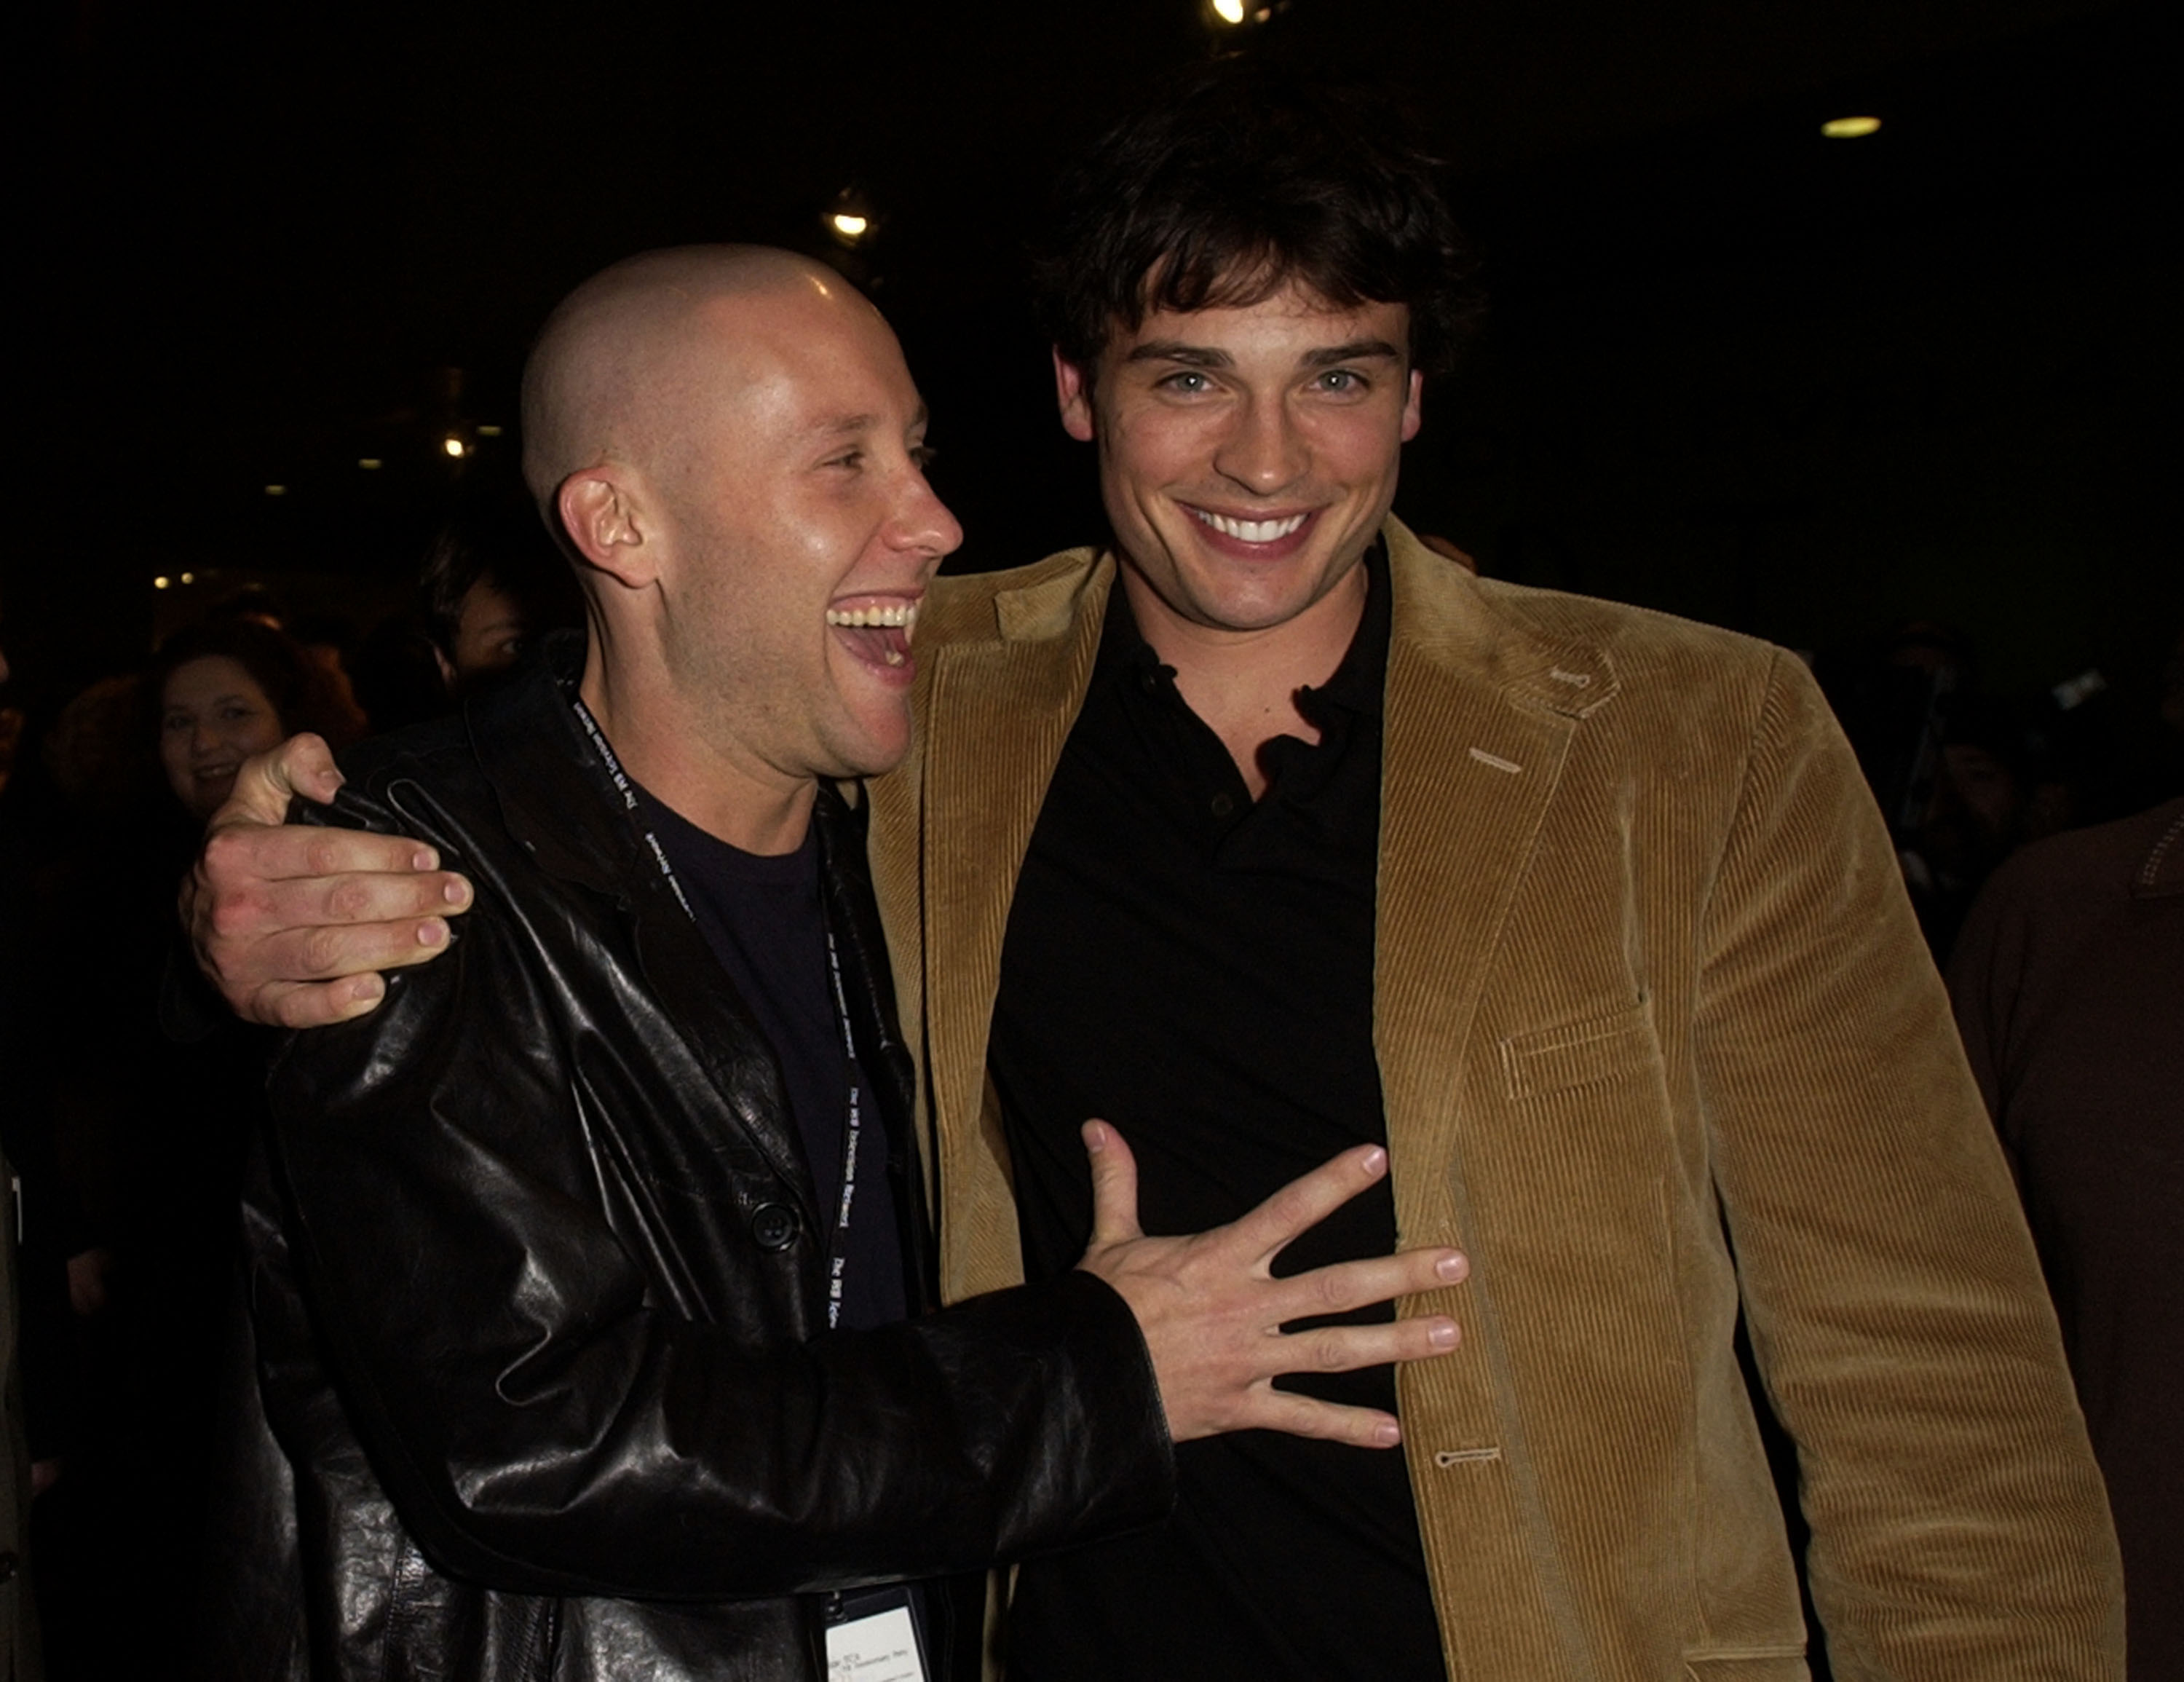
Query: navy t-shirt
[(764, 919)]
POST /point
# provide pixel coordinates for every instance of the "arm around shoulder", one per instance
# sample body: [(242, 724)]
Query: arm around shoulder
[(576, 1370)]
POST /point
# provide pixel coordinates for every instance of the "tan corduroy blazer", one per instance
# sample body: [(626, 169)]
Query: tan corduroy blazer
[(1658, 1036)]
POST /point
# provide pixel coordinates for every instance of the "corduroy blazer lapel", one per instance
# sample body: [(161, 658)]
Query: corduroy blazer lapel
[(998, 699), (1480, 718)]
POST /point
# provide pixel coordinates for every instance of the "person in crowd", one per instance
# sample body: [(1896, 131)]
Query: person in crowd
[(223, 691), (1263, 828), (148, 1131), (491, 584), (581, 1308), (2068, 985)]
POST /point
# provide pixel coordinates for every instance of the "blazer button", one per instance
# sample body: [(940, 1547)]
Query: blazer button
[(774, 1226)]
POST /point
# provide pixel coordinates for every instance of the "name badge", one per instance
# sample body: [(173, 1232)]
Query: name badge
[(871, 1636)]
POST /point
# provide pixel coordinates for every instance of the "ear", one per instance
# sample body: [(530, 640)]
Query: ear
[(599, 514), (1072, 393), (1411, 411)]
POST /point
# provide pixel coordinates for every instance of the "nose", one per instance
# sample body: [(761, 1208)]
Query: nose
[(1262, 450), (923, 523)]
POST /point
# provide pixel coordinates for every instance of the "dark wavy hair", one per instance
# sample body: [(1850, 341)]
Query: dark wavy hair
[(1234, 181), (297, 689)]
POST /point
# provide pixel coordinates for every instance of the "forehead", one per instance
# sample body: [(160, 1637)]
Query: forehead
[(796, 369), (210, 677), (1295, 321)]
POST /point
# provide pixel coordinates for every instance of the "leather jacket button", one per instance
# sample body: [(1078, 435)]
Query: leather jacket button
[(774, 1226)]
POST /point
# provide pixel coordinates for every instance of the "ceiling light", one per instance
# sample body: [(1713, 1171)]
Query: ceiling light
[(370, 464), (1850, 128), (161, 581), (849, 226), (454, 445), (276, 490), (489, 432), (1228, 11)]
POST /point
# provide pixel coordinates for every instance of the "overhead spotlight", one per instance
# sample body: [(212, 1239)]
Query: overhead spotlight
[(1850, 128), (489, 432), (1228, 11), (453, 445), (370, 464), (189, 577), (161, 581), (850, 218), (276, 490)]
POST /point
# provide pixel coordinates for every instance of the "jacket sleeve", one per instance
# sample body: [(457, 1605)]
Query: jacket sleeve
[(1896, 1308), (546, 1408)]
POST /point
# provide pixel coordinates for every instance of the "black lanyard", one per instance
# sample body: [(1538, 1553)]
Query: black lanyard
[(837, 1243)]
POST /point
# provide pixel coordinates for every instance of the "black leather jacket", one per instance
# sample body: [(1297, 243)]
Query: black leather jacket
[(539, 1302)]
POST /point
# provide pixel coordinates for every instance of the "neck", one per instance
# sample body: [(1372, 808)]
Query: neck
[(655, 735), (1244, 683)]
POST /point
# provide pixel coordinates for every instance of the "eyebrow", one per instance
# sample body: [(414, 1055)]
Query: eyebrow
[(842, 425), (1203, 356)]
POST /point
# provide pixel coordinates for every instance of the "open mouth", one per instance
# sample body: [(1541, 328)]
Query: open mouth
[(1251, 530), (876, 632)]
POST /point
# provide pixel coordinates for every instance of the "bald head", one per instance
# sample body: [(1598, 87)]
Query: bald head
[(619, 361)]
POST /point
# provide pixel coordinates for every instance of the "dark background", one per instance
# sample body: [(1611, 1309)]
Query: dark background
[(1801, 387)]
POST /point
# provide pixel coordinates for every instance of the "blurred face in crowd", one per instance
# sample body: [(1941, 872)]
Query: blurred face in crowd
[(490, 628), (1248, 456), (212, 716)]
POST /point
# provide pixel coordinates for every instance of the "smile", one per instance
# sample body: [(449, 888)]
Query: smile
[(901, 615), (877, 631), (1251, 530)]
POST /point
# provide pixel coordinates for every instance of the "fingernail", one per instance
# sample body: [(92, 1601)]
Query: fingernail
[(1375, 1160), (1443, 1336), (432, 932), (457, 891), (424, 859), (1453, 1267), (1388, 1434), (368, 989), (1096, 1139)]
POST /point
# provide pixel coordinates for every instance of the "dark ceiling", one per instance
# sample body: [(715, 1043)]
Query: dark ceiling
[(1733, 369)]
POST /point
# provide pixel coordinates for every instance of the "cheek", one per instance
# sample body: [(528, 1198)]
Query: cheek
[(255, 735)]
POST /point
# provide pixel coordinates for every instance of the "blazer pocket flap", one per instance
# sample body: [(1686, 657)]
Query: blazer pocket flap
[(1587, 1053), (1785, 1667)]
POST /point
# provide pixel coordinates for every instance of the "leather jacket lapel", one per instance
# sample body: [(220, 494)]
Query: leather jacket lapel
[(557, 801)]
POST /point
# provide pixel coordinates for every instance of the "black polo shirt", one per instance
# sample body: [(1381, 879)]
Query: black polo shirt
[(1197, 969)]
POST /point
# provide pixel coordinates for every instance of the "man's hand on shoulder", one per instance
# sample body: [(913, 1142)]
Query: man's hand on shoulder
[(1213, 1311), (293, 923)]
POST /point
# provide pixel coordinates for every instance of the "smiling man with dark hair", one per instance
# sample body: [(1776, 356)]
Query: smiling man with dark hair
[(1263, 831)]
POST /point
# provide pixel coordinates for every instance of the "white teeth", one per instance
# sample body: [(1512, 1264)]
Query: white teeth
[(1251, 530), (900, 616)]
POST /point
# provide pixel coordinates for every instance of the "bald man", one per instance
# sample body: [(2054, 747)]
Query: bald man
[(586, 1272)]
